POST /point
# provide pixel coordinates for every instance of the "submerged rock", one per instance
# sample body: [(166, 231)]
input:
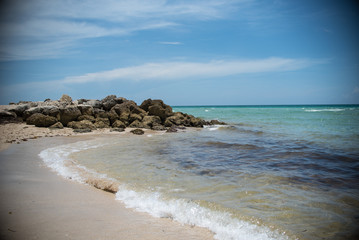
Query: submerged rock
[(86, 130), (172, 129), (137, 131)]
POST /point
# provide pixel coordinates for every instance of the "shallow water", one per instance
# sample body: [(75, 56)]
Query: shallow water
[(288, 172)]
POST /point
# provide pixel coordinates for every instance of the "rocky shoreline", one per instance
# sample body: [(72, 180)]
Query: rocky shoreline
[(113, 112)]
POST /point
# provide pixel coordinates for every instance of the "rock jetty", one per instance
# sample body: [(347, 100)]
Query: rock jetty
[(110, 112)]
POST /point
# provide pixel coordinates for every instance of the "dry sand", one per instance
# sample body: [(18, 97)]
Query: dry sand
[(38, 204)]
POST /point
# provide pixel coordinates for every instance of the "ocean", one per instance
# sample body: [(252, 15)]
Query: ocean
[(274, 172)]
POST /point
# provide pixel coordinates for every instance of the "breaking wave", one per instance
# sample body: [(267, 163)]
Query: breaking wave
[(185, 211)]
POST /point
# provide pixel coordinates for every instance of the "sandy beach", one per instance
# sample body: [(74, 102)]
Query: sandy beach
[(38, 204)]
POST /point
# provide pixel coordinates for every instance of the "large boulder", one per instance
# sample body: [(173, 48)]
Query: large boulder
[(68, 114), (216, 122), (86, 109), (41, 120), (86, 117), (118, 124), (66, 99), (177, 119), (197, 122), (18, 109), (137, 131), (102, 123), (7, 116), (182, 119), (158, 128), (133, 117), (111, 100), (108, 102), (136, 124), (27, 113), (151, 121), (84, 124), (112, 116), (128, 106), (157, 108), (93, 103), (51, 111), (128, 112)]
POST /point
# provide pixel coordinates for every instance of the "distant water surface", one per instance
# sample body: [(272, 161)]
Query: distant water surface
[(275, 172)]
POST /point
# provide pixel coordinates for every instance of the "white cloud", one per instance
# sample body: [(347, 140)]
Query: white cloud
[(26, 24), (171, 43), (193, 70), (160, 71)]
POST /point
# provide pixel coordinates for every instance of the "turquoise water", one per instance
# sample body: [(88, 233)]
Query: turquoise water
[(335, 126), (275, 172)]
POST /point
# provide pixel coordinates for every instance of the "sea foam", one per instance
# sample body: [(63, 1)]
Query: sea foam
[(57, 158), (222, 224), (325, 110)]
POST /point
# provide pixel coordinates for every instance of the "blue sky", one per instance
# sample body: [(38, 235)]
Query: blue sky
[(195, 52)]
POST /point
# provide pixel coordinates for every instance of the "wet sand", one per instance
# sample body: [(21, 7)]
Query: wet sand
[(38, 204)]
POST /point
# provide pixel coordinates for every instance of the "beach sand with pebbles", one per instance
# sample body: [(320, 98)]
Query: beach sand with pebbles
[(38, 204)]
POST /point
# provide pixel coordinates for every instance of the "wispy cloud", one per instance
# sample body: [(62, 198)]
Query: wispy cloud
[(24, 25), (171, 43), (190, 70), (157, 72)]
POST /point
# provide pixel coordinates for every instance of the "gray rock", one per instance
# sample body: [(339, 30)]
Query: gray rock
[(110, 101), (51, 111), (7, 117), (86, 117), (86, 130), (157, 108), (93, 103), (216, 122), (86, 109), (172, 129), (19, 109), (178, 119), (41, 120), (136, 124), (68, 114), (84, 124), (133, 117), (158, 128), (117, 130), (57, 125), (118, 124), (112, 116), (102, 123), (137, 131), (150, 121), (27, 113), (66, 99)]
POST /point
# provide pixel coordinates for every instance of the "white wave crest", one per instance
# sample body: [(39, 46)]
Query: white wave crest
[(57, 158), (325, 110), (188, 212)]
